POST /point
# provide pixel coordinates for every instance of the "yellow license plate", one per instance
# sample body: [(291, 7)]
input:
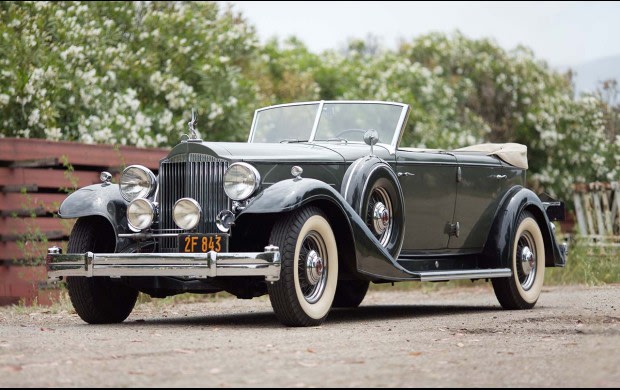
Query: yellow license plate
[(203, 243)]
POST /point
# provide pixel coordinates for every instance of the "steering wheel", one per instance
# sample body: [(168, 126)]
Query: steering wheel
[(343, 132)]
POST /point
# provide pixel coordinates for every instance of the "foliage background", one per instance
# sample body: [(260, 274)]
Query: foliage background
[(130, 72)]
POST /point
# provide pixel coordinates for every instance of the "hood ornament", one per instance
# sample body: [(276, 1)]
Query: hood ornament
[(193, 135)]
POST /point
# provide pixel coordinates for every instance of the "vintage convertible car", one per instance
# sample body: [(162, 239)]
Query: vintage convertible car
[(319, 202)]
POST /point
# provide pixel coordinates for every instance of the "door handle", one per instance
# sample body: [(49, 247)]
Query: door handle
[(498, 177), (405, 174)]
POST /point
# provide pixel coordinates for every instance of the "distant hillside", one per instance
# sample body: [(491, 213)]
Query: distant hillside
[(588, 75)]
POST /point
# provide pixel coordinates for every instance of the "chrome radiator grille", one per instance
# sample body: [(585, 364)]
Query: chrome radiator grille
[(196, 176)]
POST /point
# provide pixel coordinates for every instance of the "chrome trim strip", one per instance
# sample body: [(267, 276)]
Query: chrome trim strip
[(197, 265), (400, 128), (317, 118), (141, 236), (429, 276), (355, 164)]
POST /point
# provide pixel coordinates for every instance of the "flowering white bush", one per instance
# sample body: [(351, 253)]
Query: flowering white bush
[(122, 72), (130, 73)]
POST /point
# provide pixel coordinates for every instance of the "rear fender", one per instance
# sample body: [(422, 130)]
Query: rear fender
[(499, 246)]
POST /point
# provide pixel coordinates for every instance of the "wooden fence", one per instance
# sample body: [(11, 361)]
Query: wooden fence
[(35, 177), (597, 207)]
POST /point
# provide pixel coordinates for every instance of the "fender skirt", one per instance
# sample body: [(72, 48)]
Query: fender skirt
[(288, 195)]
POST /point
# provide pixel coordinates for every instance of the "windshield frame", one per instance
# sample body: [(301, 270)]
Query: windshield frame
[(400, 125)]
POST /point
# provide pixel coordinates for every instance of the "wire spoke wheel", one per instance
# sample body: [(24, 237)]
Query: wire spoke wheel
[(309, 275), (522, 289), (313, 267), (379, 214), (526, 260)]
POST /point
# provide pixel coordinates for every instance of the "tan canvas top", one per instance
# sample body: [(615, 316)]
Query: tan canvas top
[(512, 153)]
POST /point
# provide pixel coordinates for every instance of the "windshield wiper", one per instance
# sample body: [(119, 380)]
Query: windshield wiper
[(292, 141)]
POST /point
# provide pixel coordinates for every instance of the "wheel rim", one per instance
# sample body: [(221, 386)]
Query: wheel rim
[(313, 267), (379, 215), (526, 260)]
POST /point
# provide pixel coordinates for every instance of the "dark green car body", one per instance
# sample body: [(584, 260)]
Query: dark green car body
[(444, 214)]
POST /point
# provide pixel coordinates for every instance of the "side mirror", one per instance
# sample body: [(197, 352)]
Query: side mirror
[(371, 137)]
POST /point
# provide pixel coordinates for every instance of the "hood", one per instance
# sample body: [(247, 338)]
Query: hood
[(240, 151)]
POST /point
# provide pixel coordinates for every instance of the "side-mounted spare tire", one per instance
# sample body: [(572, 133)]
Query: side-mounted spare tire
[(372, 188)]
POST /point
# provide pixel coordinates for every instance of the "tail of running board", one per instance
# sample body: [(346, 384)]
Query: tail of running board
[(435, 276)]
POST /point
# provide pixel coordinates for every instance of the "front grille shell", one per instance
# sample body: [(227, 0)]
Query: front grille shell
[(196, 176)]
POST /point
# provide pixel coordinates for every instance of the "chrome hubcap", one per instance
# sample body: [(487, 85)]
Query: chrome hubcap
[(526, 260), (381, 218), (379, 215), (314, 267)]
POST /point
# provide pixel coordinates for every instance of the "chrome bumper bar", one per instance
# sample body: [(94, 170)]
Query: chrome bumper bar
[(194, 265)]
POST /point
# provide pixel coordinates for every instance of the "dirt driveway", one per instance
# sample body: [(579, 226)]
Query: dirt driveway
[(450, 337)]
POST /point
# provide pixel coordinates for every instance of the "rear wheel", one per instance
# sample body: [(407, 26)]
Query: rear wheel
[(97, 300), (309, 274), (522, 289), (350, 293)]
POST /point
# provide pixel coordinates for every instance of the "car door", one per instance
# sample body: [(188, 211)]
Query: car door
[(428, 181), (480, 184)]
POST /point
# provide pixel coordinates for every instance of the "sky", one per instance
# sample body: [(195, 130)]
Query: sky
[(562, 33)]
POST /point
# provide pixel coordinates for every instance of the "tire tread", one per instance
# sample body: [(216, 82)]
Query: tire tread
[(97, 300)]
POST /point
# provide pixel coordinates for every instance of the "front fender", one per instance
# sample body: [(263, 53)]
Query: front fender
[(287, 195), (102, 200), (499, 246)]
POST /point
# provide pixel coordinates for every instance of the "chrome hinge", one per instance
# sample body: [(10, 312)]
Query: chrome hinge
[(459, 175), (454, 229)]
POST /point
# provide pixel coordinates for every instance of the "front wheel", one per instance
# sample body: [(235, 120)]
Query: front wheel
[(97, 300), (522, 289), (304, 294)]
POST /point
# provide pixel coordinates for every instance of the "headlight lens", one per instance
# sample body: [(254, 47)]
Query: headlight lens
[(140, 214), (186, 213), (240, 181), (137, 182)]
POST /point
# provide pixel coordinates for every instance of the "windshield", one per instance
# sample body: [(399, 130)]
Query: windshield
[(285, 123), (328, 121)]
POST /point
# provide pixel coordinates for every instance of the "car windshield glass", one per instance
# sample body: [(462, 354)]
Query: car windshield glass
[(350, 121), (346, 121), (285, 123)]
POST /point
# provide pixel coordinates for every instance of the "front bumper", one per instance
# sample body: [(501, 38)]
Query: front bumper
[(194, 265)]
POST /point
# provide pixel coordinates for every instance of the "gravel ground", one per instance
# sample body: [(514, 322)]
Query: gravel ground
[(450, 337)]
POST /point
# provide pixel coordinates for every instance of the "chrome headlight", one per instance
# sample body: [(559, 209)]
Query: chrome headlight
[(240, 181), (137, 182), (186, 213), (140, 214)]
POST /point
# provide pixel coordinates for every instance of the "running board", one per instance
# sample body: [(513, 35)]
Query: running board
[(435, 276)]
